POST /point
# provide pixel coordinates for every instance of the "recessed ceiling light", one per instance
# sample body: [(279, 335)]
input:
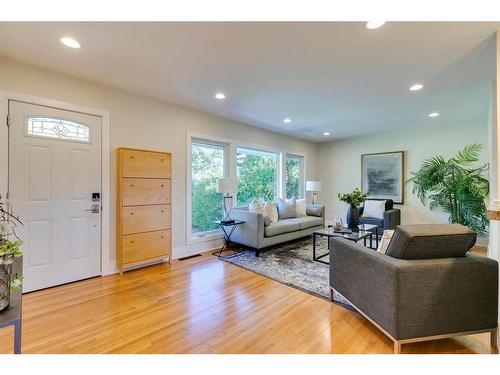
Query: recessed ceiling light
[(416, 87), (374, 24), (326, 134), (220, 95), (70, 42), (287, 120), (434, 114)]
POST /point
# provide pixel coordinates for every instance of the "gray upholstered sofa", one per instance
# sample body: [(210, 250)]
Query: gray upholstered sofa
[(427, 285), (254, 234)]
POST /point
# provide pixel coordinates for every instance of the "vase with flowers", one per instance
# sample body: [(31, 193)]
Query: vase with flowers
[(353, 199)]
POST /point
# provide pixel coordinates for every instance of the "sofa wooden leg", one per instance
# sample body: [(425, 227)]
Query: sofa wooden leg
[(257, 252), (397, 347), (331, 294), (494, 338)]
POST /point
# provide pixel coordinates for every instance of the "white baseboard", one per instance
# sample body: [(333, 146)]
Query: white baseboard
[(193, 249), (109, 268), (177, 252)]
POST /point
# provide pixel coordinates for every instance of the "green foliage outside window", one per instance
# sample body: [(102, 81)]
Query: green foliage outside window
[(257, 173), (207, 167), (293, 176), (257, 176)]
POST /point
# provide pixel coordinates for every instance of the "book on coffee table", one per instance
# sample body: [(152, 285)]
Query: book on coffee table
[(342, 230)]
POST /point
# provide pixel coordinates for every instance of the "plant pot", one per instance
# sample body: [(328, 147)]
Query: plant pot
[(352, 216), (5, 274)]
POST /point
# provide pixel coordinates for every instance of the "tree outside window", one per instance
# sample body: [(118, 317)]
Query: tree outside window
[(206, 169), (257, 175), (294, 172)]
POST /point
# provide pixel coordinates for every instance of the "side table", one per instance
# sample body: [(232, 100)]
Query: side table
[(228, 229)]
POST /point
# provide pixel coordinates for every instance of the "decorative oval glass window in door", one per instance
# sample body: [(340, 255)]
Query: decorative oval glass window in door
[(57, 128)]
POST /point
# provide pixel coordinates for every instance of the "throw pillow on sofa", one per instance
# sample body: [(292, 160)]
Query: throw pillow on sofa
[(374, 209), (301, 207), (287, 209), (257, 207), (386, 239), (272, 211)]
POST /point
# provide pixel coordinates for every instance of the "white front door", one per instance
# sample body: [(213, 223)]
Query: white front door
[(54, 168)]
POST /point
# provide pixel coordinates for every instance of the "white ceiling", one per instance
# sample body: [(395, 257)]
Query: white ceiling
[(332, 76)]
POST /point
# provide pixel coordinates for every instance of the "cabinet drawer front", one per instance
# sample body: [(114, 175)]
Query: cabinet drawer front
[(145, 164), (137, 247), (139, 191), (145, 218)]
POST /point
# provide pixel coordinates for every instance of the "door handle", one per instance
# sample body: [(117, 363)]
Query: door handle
[(95, 209)]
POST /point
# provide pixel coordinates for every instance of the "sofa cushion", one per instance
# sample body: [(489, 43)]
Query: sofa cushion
[(431, 241), (385, 240), (301, 207), (373, 208), (287, 209), (281, 227), (389, 203), (272, 211), (257, 207), (309, 221), (314, 210), (372, 220)]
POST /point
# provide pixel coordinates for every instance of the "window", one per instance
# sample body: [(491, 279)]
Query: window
[(294, 176), (257, 173), (58, 128), (207, 166), (263, 174)]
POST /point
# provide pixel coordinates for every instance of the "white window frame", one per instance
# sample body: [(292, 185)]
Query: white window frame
[(212, 234), (230, 169)]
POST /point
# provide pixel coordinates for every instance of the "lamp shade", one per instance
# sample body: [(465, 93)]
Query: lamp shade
[(313, 186), (226, 185)]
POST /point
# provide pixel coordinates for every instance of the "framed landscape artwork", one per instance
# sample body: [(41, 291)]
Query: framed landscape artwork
[(382, 175)]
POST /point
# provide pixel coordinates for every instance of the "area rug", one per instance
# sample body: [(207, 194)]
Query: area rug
[(291, 264)]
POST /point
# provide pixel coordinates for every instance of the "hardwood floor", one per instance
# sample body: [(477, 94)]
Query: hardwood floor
[(200, 305)]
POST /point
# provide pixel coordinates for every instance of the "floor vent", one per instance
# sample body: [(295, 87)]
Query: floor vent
[(189, 257)]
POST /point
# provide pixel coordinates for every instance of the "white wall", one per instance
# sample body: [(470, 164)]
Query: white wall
[(144, 122), (339, 162)]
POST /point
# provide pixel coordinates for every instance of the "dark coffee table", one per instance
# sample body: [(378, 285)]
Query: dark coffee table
[(354, 235)]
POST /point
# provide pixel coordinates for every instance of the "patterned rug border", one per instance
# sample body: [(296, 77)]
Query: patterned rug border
[(314, 294)]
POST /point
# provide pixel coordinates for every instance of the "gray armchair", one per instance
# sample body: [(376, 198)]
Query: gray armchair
[(426, 287), (392, 216)]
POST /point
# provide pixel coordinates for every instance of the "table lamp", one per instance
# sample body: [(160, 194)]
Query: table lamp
[(227, 186), (314, 187)]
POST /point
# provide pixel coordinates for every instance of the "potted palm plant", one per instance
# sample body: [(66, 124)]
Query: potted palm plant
[(8, 251), (458, 186), (353, 199)]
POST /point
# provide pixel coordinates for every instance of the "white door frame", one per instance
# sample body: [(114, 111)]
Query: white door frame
[(107, 266)]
